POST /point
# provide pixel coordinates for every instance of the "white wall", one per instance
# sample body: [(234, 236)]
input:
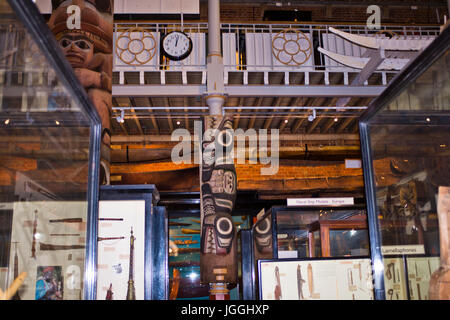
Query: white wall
[(140, 6)]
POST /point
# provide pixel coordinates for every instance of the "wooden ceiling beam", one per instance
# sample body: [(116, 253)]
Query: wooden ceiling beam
[(186, 117), (345, 124), (294, 102), (169, 117), (236, 119), (251, 122), (327, 126), (275, 102), (152, 117), (134, 116)]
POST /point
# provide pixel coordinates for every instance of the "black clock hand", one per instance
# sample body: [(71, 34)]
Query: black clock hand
[(176, 42)]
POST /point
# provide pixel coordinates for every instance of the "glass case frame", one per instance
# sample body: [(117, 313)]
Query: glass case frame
[(34, 23), (398, 85)]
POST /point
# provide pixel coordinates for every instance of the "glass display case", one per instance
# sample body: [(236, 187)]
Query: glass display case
[(405, 141), (319, 232), (288, 233), (184, 258), (316, 279), (133, 246), (50, 142)]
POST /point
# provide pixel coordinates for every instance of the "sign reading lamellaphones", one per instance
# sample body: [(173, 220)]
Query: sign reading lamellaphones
[(403, 250), (308, 202)]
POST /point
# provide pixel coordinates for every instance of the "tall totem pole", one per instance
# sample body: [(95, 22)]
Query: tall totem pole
[(84, 30), (218, 184)]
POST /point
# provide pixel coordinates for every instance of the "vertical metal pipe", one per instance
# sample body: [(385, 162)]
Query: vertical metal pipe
[(214, 27), (215, 99)]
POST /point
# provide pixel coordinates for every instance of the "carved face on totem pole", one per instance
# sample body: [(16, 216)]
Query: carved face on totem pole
[(88, 48), (78, 49), (263, 236), (218, 195)]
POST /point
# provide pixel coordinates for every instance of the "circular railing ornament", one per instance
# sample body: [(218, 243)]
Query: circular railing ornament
[(136, 46), (291, 47)]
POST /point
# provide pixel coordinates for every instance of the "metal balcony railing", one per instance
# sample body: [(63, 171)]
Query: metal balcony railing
[(251, 47)]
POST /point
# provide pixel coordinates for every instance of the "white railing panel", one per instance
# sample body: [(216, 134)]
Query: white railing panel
[(136, 50), (269, 51), (230, 53), (247, 47)]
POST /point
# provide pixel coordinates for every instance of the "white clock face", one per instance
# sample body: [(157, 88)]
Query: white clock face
[(176, 45)]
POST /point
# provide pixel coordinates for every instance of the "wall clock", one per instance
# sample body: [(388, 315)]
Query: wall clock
[(176, 45)]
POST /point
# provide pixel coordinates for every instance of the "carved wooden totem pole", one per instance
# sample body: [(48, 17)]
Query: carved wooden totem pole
[(218, 195), (218, 184), (84, 29), (262, 234)]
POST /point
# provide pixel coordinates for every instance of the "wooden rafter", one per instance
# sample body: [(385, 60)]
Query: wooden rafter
[(294, 102), (276, 102), (327, 126), (186, 117), (236, 119), (251, 123), (152, 117), (344, 124), (169, 117)]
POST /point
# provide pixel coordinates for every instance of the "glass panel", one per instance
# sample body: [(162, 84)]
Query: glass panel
[(44, 164), (184, 258), (331, 279), (410, 154), (292, 233), (430, 91), (317, 244), (349, 242), (293, 228)]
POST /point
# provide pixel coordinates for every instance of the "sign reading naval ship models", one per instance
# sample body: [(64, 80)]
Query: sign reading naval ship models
[(307, 202)]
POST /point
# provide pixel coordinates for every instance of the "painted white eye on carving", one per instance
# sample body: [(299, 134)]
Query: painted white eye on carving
[(263, 226), (229, 182), (225, 138), (224, 226)]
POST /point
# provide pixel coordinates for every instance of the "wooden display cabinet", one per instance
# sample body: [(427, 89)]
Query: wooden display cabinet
[(324, 227)]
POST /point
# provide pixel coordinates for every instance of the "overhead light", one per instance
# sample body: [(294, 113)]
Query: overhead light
[(443, 145), (7, 121), (57, 122), (121, 118), (286, 121), (312, 116), (178, 122), (428, 119), (336, 119)]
